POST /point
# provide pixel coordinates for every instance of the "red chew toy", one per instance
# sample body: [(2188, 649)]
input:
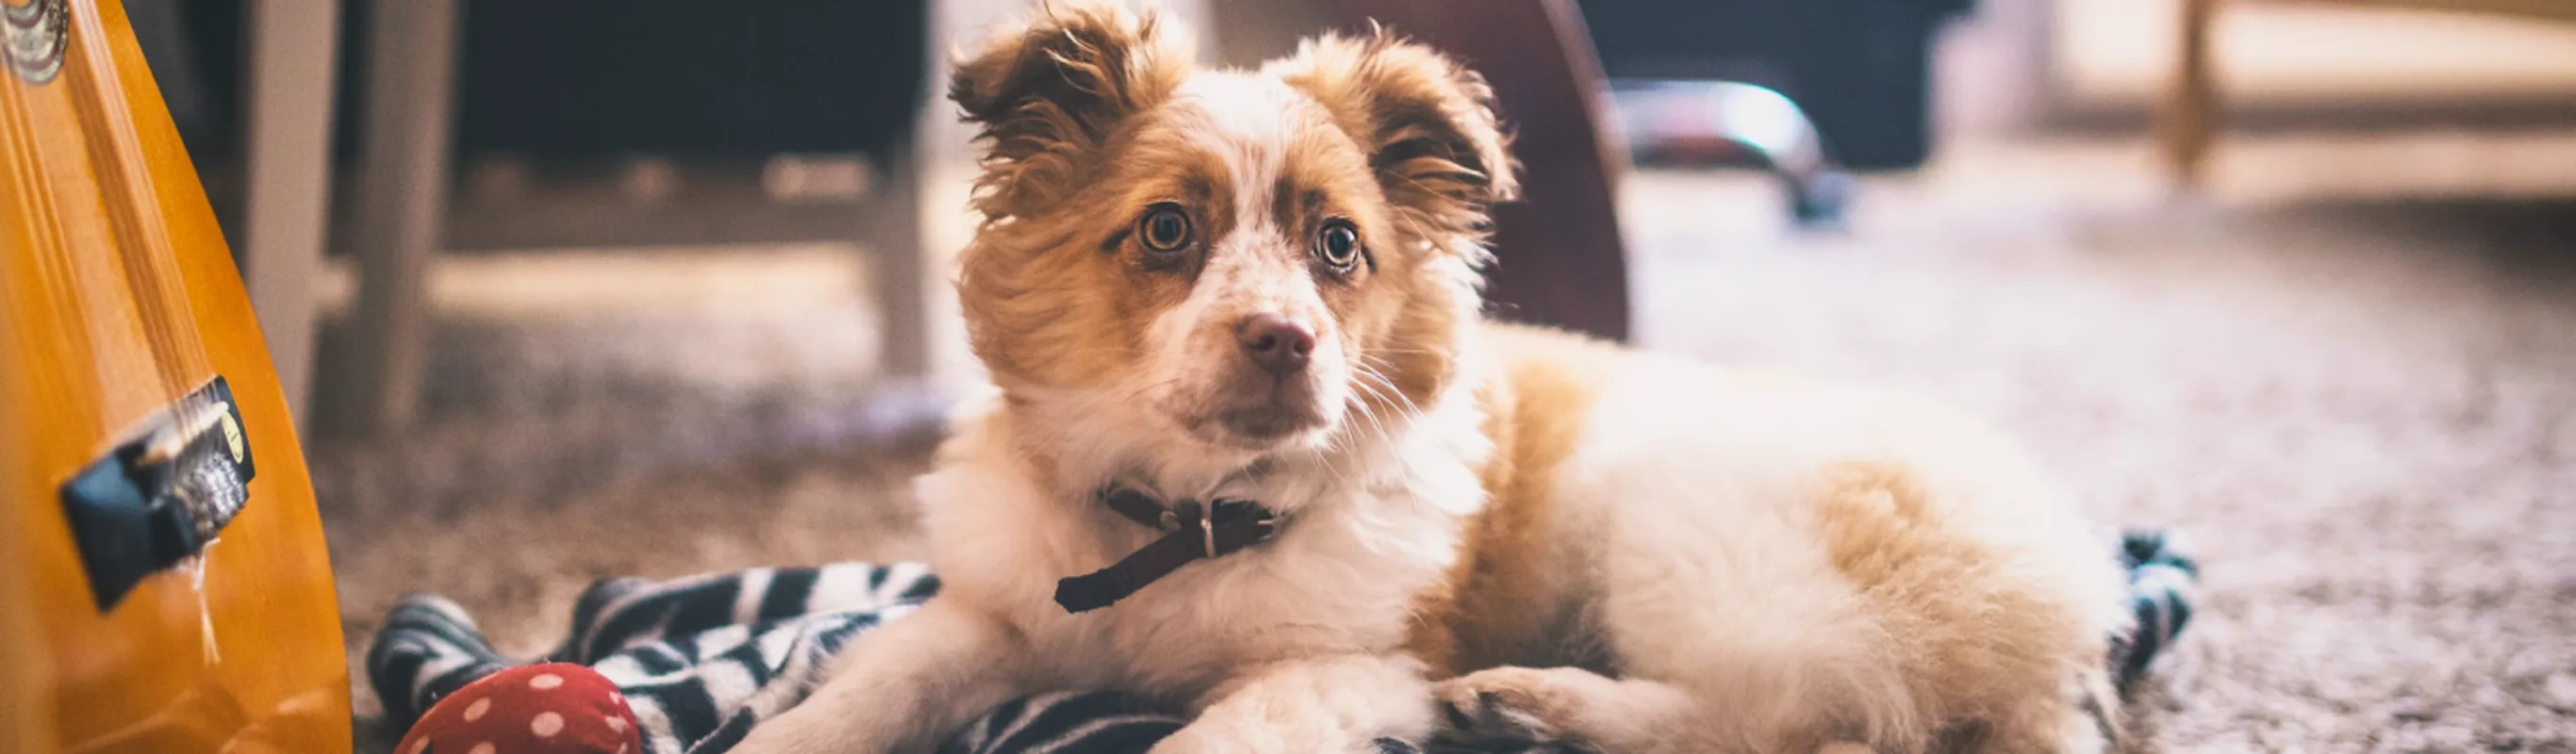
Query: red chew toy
[(534, 709)]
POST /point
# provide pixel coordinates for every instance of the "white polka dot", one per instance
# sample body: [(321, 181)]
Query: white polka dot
[(481, 748), (546, 724), (546, 681), (421, 746), (476, 710), (621, 749), (617, 725), (616, 697)]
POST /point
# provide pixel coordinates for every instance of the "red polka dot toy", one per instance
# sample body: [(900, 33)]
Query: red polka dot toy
[(555, 708)]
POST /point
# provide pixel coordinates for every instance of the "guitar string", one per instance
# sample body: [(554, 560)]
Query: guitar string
[(142, 237), (152, 272)]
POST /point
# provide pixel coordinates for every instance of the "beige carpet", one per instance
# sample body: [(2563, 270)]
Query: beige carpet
[(2359, 407)]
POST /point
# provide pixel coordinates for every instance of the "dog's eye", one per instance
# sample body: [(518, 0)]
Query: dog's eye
[(1165, 228), (1338, 244)]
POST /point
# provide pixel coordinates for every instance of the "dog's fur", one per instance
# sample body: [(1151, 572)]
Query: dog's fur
[(1490, 532)]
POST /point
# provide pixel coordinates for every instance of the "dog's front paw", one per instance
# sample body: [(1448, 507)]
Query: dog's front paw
[(1508, 705)]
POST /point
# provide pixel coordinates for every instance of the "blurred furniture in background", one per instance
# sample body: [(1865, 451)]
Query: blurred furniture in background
[(1861, 69), (1696, 122), (395, 228), (800, 91), (597, 80), (286, 149), (2188, 118)]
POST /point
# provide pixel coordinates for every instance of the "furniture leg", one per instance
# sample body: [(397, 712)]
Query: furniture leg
[(892, 234), (293, 42), (2188, 119), (401, 208)]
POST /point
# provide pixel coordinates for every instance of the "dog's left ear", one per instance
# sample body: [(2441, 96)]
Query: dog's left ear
[(1427, 122)]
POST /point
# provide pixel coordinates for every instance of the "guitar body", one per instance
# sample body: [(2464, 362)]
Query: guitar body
[(164, 586)]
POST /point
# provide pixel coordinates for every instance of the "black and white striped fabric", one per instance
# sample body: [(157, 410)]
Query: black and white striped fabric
[(700, 660), (2162, 574), (703, 659)]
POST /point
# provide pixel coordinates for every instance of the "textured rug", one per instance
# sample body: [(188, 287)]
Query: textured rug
[(2360, 408)]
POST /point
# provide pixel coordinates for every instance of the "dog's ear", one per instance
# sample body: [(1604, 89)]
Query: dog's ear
[(1427, 122), (1049, 96)]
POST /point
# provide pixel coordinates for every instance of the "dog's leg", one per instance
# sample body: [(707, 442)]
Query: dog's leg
[(1327, 704), (1578, 708), (1585, 710), (901, 686), (2082, 719), (1568, 706)]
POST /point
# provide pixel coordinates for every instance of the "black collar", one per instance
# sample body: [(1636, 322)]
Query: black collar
[(1219, 528)]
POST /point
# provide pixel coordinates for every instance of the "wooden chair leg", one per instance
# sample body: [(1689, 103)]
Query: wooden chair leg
[(294, 56), (892, 236), (402, 210), (2189, 117)]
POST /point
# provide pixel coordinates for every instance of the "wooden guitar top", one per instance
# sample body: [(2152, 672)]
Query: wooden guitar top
[(121, 300)]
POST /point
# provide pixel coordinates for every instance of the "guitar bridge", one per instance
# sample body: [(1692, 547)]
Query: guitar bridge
[(161, 496)]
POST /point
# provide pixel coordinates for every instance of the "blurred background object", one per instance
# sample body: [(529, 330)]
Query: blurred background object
[(677, 302), (1861, 68), (2190, 114), (574, 120)]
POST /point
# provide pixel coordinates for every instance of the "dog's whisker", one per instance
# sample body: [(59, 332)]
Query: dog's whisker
[(1412, 409), (1368, 411), (1400, 401)]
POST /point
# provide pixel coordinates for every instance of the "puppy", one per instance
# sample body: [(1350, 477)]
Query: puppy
[(1200, 285)]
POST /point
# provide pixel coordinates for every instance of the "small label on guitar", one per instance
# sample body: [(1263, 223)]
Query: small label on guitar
[(162, 495)]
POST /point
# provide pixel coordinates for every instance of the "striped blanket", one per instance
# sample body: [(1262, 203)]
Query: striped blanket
[(703, 659)]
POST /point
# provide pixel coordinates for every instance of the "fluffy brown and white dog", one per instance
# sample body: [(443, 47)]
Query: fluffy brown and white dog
[(1263, 285)]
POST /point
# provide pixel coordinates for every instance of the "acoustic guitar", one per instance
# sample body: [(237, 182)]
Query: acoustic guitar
[(163, 581)]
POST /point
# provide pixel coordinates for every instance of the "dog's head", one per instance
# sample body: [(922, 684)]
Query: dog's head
[(1252, 260)]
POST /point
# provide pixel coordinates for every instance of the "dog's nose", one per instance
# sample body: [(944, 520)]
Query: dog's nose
[(1276, 343)]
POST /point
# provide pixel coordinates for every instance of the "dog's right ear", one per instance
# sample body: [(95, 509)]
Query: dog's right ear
[(1049, 96), (1426, 122)]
